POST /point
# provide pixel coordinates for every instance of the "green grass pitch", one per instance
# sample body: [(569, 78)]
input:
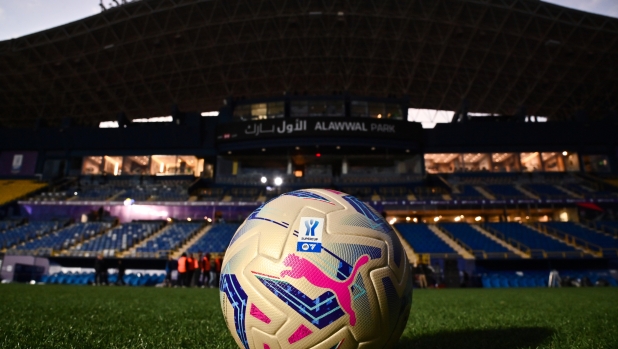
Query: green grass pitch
[(54, 316)]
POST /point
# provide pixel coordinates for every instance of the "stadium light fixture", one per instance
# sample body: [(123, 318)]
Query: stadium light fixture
[(75, 193), (478, 218), (415, 220), (436, 219), (263, 179), (209, 220), (457, 219), (278, 181), (392, 221), (188, 219), (565, 153), (407, 219), (169, 219)]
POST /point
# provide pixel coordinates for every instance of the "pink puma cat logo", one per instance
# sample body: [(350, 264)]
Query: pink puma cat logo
[(304, 268)]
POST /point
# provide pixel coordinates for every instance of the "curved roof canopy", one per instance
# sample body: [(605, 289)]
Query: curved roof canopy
[(147, 55)]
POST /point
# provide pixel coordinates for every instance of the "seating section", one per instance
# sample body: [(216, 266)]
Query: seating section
[(509, 279), (602, 240), (172, 237), (422, 239), (216, 239), (393, 193), (64, 238), (14, 189), (26, 232), (546, 191), (505, 191), (87, 278), (467, 192), (117, 239), (4, 225), (534, 240), (475, 240), (611, 226)]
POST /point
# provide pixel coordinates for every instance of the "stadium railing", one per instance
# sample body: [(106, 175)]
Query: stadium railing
[(518, 245), (570, 239)]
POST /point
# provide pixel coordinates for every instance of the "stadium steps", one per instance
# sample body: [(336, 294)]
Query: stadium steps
[(66, 250), (499, 241), (406, 247), (526, 192), (115, 196), (455, 246), (484, 192), (579, 248), (203, 231), (571, 193), (131, 250), (411, 197)]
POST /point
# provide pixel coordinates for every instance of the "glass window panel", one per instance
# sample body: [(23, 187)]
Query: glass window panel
[(476, 162), (531, 162), (299, 108), (596, 163), (552, 162), (91, 165), (163, 165), (317, 108), (359, 109), (376, 110), (571, 161), (505, 162), (242, 112), (135, 165), (276, 110), (112, 165), (258, 111), (393, 111), (442, 163)]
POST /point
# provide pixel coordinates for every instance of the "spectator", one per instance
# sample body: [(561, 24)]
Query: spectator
[(169, 266), (212, 282), (190, 270), (100, 270), (205, 269), (121, 270), (195, 278), (420, 272)]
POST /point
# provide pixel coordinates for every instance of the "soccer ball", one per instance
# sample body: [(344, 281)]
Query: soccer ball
[(315, 268)]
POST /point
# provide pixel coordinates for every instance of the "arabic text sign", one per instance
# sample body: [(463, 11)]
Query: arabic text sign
[(318, 127)]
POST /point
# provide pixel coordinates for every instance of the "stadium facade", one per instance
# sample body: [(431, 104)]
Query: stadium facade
[(315, 95)]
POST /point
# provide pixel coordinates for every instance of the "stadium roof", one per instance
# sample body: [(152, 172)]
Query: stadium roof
[(144, 56)]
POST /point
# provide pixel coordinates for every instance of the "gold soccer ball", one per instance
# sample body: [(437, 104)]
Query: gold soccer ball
[(315, 268)]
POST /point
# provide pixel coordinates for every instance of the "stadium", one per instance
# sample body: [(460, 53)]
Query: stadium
[(156, 127)]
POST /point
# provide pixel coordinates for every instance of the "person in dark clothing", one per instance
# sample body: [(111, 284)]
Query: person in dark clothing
[(205, 269), (212, 282), (121, 270), (100, 271), (169, 266)]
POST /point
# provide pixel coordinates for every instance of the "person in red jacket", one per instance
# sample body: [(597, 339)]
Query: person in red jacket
[(182, 270), (195, 276)]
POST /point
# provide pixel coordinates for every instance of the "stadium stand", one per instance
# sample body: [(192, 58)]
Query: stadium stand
[(216, 240), (172, 237), (423, 240), (14, 189), (476, 243), (62, 239), (532, 242), (26, 232), (467, 192), (116, 240), (4, 225), (505, 191)]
